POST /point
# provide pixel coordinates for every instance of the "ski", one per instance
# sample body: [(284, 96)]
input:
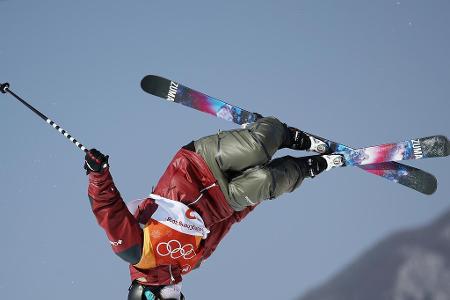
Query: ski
[(427, 147), (172, 91)]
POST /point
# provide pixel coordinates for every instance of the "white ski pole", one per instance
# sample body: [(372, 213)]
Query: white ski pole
[(4, 88)]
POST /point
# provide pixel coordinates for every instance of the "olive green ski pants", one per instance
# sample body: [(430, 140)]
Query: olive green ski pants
[(241, 161)]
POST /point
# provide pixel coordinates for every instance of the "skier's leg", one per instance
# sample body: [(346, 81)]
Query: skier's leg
[(237, 150), (260, 183), (279, 176), (230, 152)]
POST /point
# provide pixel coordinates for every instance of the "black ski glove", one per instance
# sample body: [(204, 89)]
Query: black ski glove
[(95, 161)]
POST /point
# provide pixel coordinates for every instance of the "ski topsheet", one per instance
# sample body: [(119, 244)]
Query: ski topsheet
[(175, 92)]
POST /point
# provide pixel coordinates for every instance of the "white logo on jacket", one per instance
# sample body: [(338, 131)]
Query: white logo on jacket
[(115, 244), (175, 250), (179, 217), (174, 214)]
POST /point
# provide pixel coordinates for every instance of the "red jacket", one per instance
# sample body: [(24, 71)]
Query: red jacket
[(186, 177)]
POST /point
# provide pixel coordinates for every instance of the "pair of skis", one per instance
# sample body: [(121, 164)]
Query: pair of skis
[(378, 160)]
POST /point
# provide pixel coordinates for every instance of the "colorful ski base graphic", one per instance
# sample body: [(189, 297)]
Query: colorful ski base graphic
[(427, 147), (175, 92), (405, 175)]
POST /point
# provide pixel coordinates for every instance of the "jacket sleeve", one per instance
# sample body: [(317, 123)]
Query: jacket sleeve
[(120, 226)]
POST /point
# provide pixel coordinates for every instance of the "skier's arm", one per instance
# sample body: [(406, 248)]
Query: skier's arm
[(122, 229)]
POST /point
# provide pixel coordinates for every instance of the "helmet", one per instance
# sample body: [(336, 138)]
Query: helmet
[(138, 291)]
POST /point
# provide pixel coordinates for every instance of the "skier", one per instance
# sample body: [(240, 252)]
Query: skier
[(209, 185)]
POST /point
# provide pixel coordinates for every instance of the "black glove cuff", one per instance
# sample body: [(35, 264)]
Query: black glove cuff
[(95, 161)]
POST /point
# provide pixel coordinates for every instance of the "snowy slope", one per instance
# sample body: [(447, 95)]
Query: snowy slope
[(409, 265)]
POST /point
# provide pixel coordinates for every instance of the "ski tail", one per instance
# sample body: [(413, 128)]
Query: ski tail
[(420, 148), (433, 146)]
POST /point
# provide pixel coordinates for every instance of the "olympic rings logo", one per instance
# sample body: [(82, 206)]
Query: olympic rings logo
[(175, 250)]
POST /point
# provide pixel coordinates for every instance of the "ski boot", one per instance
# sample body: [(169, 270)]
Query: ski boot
[(299, 140), (314, 165)]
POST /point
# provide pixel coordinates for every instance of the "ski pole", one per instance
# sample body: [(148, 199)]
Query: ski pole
[(4, 88)]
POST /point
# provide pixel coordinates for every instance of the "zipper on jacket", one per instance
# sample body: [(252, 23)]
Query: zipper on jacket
[(172, 279), (202, 193)]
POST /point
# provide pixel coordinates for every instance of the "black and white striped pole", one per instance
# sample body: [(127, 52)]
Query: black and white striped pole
[(4, 88)]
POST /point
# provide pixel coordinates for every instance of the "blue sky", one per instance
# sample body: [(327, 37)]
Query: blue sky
[(360, 72)]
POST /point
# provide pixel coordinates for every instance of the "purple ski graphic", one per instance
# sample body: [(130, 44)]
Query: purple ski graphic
[(427, 147)]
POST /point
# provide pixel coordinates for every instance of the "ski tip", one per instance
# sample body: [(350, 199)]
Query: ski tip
[(155, 85)]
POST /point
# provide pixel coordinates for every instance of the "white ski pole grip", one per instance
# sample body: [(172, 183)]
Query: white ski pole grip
[(4, 88)]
